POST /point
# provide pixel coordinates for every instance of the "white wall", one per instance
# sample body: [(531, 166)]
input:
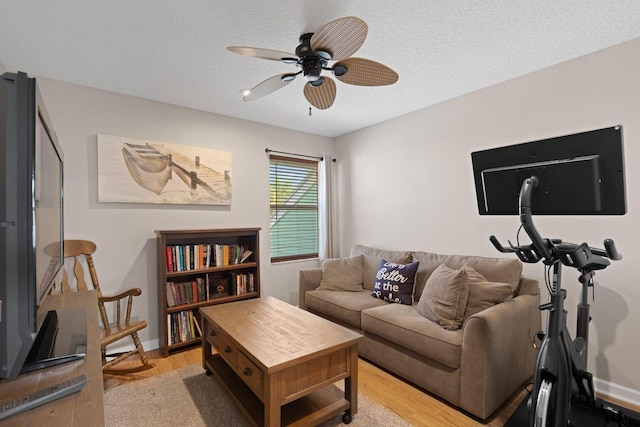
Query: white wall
[(408, 184), (125, 233)]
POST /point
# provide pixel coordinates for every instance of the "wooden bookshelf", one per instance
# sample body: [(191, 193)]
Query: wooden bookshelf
[(199, 268)]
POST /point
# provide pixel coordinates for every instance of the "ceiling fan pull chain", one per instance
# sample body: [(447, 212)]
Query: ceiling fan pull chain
[(309, 111)]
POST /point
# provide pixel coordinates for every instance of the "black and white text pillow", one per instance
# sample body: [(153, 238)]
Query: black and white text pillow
[(394, 282)]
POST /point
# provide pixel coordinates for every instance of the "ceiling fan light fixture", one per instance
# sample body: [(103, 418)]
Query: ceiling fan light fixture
[(288, 77), (245, 92), (323, 54), (339, 70)]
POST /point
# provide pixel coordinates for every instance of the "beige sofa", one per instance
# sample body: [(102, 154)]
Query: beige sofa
[(476, 367)]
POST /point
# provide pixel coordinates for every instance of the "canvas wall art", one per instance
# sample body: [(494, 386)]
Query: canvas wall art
[(140, 171)]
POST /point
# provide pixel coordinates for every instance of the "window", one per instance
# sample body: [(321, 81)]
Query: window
[(293, 194)]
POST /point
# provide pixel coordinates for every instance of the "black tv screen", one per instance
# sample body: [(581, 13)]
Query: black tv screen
[(31, 217), (578, 174)]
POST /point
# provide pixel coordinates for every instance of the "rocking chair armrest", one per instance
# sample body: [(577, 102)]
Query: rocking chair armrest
[(131, 292)]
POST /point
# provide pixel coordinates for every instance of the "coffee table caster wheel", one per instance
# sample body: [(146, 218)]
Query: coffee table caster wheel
[(346, 418)]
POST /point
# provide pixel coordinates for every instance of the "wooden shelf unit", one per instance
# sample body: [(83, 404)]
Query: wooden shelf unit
[(248, 238), (84, 408)]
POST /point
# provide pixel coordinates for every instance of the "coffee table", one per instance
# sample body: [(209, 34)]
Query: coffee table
[(280, 362)]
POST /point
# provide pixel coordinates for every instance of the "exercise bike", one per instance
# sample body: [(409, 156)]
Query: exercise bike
[(561, 377)]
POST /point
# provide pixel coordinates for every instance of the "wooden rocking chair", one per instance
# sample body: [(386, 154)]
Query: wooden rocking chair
[(116, 329)]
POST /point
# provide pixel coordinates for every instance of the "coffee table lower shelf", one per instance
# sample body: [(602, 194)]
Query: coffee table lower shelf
[(311, 409)]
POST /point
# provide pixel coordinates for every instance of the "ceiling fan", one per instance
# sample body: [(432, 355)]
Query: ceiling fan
[(334, 41)]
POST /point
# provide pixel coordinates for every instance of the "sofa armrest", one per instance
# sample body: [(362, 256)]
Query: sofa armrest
[(309, 280), (528, 286), (497, 353)]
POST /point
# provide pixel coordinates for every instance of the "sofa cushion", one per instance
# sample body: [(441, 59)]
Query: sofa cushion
[(343, 306), (403, 325), (371, 258), (341, 274), (483, 293), (394, 282), (506, 270), (445, 297)]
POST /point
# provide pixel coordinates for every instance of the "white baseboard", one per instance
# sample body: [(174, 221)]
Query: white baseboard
[(616, 391)]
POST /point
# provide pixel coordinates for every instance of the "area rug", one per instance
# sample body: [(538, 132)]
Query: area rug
[(188, 397)]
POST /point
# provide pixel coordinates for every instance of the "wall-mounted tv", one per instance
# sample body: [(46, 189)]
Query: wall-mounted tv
[(578, 174)]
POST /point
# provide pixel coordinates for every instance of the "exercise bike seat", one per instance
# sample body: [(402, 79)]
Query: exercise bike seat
[(580, 257)]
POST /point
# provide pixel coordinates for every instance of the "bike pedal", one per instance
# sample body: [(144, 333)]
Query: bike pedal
[(615, 414), (610, 410)]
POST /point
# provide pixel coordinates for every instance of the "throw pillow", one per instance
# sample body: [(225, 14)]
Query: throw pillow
[(371, 261), (444, 298), (341, 274), (394, 282), (483, 293)]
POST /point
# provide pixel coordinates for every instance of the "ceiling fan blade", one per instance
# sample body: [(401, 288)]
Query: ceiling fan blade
[(256, 52), (364, 72), (341, 38), (321, 96), (266, 87)]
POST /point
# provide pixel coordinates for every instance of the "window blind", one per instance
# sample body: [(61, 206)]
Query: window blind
[(293, 194)]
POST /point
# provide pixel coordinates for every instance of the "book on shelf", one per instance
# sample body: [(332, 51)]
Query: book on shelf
[(170, 299), (201, 289), (197, 324), (169, 259), (176, 294), (188, 293), (244, 254)]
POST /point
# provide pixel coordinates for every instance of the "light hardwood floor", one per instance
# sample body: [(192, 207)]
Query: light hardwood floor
[(413, 404)]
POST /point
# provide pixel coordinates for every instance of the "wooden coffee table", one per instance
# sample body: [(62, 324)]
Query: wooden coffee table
[(280, 362)]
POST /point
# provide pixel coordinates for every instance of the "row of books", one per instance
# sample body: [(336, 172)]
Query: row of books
[(187, 292), (182, 326), (242, 283), (195, 257), (209, 287)]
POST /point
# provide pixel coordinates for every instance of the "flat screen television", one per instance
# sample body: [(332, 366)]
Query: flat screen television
[(31, 231), (578, 174)]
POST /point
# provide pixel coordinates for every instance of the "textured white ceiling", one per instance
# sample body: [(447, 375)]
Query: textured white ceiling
[(174, 51)]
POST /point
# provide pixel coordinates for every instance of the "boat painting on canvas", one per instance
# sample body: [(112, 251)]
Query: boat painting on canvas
[(137, 171)]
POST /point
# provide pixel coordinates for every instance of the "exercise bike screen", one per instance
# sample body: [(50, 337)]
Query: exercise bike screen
[(579, 174)]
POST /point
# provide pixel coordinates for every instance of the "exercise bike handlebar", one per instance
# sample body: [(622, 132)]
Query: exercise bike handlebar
[(610, 249), (527, 221), (552, 250)]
